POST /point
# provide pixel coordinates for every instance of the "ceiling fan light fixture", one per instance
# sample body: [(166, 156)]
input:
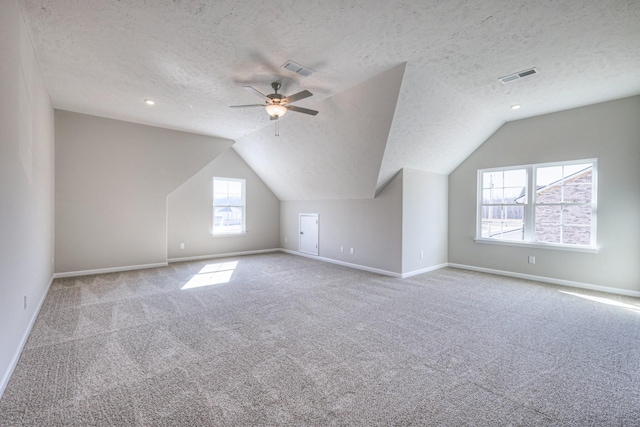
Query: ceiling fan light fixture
[(276, 110)]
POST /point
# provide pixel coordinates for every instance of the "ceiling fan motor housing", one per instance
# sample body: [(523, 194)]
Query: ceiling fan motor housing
[(275, 96)]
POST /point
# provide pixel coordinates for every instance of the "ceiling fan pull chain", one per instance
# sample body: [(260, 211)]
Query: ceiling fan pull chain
[(277, 127)]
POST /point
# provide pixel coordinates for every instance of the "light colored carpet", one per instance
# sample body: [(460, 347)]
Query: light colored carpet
[(293, 341)]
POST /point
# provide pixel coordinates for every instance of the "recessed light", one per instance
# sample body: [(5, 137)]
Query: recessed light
[(515, 107), (149, 102)]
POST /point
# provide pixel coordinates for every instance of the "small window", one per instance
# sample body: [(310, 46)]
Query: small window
[(228, 206), (560, 212)]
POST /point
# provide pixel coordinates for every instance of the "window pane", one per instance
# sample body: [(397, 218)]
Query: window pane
[(485, 212), (486, 196), (492, 179), (220, 186), (515, 178), (548, 214), (511, 194), (503, 222), (578, 171), (495, 195), (548, 233), (549, 194), (228, 220), (224, 212), (495, 230), (514, 212), (220, 200), (235, 186), (578, 193), (491, 212), (576, 235), (485, 228), (235, 199), (576, 215), (513, 230), (548, 175)]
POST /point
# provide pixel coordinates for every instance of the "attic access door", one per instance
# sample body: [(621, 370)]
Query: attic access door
[(309, 234)]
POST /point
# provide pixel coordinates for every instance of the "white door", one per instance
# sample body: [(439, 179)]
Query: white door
[(309, 233)]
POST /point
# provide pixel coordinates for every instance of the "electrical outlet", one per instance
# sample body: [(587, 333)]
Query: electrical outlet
[(351, 251), (532, 260), (341, 249), (286, 240), (421, 254), (181, 245)]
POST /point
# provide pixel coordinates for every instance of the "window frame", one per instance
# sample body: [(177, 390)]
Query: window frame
[(529, 224), (243, 206)]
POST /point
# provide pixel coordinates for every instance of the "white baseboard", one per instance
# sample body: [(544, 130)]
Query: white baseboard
[(345, 264), (232, 254), (561, 282), (424, 270), (108, 270), (14, 361)]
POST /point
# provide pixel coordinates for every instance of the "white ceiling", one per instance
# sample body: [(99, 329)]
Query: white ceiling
[(397, 83)]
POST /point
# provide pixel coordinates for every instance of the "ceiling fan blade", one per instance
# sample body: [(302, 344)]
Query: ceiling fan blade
[(248, 105), (256, 92), (296, 97), (301, 110)]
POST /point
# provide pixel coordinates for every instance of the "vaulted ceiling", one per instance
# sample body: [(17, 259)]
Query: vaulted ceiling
[(398, 83)]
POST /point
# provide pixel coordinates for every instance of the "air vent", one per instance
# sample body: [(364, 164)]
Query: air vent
[(516, 76), (297, 68)]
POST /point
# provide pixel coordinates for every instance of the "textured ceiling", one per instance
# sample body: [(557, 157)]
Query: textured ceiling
[(397, 83)]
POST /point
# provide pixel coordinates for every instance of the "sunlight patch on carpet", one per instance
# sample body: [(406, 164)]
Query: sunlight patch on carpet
[(212, 274), (608, 301)]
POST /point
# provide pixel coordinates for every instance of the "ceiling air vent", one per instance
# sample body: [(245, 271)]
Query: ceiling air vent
[(516, 76), (297, 68)]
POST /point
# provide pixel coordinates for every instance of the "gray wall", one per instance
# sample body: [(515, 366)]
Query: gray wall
[(191, 210), (608, 131), (424, 220), (26, 186), (373, 227), (112, 183)]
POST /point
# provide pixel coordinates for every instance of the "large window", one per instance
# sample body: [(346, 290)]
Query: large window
[(228, 206), (560, 212)]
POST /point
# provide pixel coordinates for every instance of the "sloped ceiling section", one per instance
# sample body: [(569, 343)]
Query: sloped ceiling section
[(450, 127), (334, 155)]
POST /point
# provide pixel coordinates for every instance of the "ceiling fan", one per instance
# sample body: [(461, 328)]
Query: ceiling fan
[(277, 104)]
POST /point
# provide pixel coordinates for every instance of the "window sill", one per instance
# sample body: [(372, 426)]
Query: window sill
[(556, 247), (244, 233)]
